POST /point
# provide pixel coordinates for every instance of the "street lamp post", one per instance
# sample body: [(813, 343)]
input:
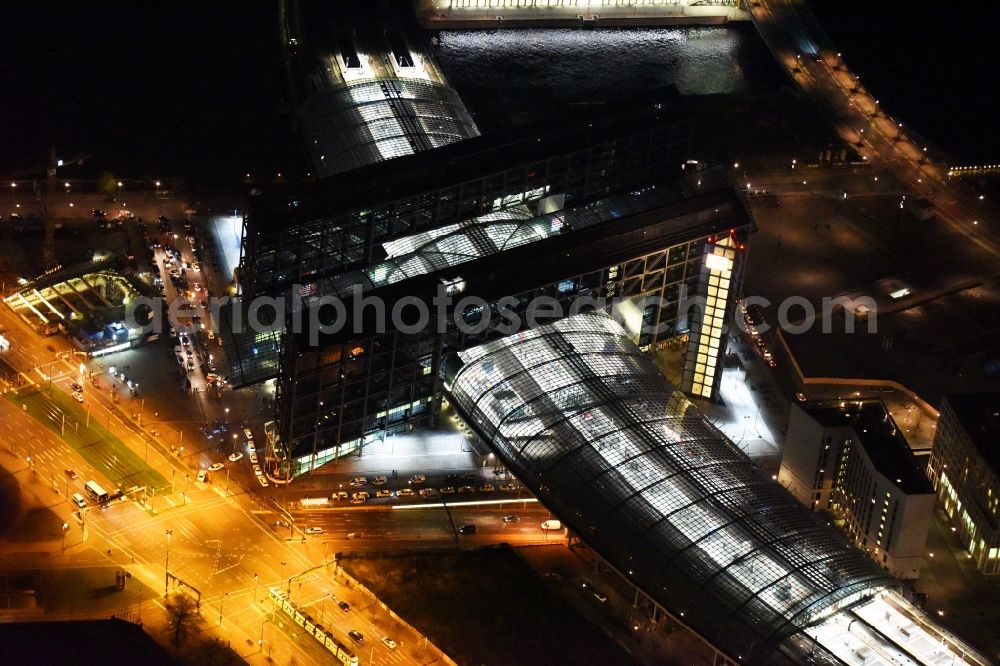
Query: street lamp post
[(260, 641), (255, 589), (166, 566), (283, 575), (222, 601)]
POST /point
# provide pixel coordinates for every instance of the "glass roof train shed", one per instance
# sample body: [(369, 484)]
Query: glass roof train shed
[(586, 421)]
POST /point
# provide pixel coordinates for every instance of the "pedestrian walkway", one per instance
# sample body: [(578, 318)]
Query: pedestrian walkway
[(419, 452)]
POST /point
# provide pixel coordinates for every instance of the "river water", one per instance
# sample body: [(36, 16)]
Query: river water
[(930, 64), (519, 67), (197, 89)]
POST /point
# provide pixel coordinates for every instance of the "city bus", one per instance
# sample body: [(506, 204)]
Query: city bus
[(98, 493)]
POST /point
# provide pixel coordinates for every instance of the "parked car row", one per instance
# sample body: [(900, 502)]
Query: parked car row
[(381, 492)]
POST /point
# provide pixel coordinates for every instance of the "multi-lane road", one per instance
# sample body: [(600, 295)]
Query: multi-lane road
[(793, 35)]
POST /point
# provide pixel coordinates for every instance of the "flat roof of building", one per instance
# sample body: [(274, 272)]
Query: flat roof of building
[(384, 182), (979, 414), (881, 438), (563, 256)]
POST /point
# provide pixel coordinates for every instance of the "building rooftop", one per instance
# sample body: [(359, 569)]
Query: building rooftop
[(881, 438), (621, 228), (369, 91), (589, 423), (377, 184), (979, 414)]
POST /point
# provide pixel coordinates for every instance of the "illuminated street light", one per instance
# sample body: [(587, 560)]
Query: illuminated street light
[(221, 601), (166, 566)]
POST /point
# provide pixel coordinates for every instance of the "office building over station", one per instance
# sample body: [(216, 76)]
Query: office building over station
[(598, 210)]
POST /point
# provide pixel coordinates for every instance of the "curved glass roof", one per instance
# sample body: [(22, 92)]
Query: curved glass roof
[(587, 421), (369, 121), (484, 235)]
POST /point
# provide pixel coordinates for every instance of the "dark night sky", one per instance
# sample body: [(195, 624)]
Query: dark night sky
[(145, 87), (933, 64), (196, 88)]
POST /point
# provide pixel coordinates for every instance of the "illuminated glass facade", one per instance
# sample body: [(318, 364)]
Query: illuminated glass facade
[(356, 388), (585, 419), (366, 122), (364, 89), (598, 208)]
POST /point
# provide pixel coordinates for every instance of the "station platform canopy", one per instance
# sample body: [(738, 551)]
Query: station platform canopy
[(631, 466)]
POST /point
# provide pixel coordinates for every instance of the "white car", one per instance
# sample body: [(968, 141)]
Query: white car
[(358, 481), (78, 396), (314, 530), (215, 467), (257, 470), (380, 481), (253, 457), (418, 478), (405, 492), (248, 433), (384, 492), (203, 475), (251, 447), (233, 457), (262, 481), (388, 642)]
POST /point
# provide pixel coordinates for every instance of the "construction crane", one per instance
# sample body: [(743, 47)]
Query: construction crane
[(51, 168)]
